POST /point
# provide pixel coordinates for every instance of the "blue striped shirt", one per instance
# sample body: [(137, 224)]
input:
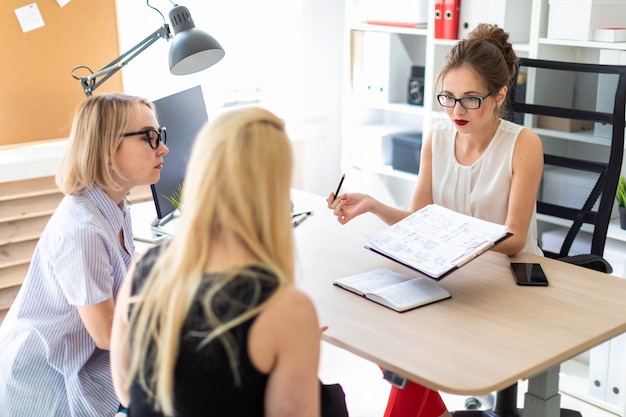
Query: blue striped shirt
[(49, 364)]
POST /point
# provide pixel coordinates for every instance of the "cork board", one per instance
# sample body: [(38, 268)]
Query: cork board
[(38, 95)]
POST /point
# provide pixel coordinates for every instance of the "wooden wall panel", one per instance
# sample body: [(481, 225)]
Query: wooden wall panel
[(38, 96)]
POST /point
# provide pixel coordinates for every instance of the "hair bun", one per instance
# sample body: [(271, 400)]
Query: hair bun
[(498, 37)]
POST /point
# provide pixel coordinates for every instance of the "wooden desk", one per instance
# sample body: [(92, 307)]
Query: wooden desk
[(489, 335)]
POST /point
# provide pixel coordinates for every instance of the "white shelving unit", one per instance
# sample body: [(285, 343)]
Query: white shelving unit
[(379, 63), (379, 59)]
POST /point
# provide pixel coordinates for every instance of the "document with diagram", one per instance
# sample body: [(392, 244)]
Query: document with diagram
[(436, 241)]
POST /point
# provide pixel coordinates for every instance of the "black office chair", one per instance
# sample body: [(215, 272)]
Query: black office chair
[(597, 94), (565, 95)]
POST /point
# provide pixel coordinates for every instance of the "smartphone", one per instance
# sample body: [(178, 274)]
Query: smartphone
[(528, 274)]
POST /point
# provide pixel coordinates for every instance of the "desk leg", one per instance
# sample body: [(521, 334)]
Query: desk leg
[(543, 399)]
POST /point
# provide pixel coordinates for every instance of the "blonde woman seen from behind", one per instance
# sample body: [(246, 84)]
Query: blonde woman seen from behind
[(211, 322)]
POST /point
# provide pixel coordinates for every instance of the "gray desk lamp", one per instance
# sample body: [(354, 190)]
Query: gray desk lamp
[(192, 50)]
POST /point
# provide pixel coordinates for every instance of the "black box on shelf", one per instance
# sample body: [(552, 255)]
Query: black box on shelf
[(405, 151), (416, 86)]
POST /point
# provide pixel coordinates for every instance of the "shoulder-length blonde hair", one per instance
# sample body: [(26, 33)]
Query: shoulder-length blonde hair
[(236, 188), (89, 158)]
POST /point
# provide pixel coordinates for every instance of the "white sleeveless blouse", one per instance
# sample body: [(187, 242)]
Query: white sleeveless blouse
[(482, 189)]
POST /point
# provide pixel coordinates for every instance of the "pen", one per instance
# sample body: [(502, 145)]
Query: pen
[(299, 218), (339, 186), (308, 213)]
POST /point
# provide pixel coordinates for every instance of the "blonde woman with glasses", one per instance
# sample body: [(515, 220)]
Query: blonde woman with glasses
[(55, 338)]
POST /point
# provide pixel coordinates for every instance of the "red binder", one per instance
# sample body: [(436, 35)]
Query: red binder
[(438, 19), (450, 21)]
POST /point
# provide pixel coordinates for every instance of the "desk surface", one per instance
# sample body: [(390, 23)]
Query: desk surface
[(489, 335)]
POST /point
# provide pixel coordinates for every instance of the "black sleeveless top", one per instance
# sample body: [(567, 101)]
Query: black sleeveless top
[(204, 382)]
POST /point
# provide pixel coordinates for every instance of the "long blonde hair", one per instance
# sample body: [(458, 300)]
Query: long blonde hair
[(96, 133), (236, 188)]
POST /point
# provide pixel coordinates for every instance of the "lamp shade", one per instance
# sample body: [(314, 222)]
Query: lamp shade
[(192, 50)]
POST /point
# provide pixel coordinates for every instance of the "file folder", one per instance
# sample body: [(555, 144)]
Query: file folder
[(438, 19), (451, 10)]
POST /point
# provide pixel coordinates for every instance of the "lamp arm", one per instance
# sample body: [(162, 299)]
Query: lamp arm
[(89, 82)]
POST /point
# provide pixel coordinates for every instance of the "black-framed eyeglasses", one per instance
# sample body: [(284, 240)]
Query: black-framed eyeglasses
[(467, 102), (152, 136)]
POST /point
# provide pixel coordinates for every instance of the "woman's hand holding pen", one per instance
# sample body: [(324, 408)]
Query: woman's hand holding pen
[(349, 205)]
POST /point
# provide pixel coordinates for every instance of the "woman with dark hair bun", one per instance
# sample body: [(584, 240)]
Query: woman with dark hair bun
[(476, 163)]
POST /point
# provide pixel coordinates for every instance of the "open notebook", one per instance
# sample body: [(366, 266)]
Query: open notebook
[(435, 240), (394, 290)]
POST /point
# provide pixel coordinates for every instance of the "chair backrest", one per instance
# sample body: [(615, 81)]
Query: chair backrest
[(578, 111)]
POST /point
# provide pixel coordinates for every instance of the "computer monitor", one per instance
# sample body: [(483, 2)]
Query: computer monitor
[(182, 114)]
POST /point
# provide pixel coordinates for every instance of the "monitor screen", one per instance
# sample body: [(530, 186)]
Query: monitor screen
[(182, 114)]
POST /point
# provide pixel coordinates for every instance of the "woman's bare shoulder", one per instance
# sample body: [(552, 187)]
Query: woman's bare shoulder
[(293, 301)]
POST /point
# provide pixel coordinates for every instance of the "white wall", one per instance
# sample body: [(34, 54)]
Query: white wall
[(288, 54)]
